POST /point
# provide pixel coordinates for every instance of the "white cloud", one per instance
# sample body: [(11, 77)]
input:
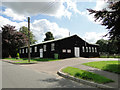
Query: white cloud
[(92, 37), (101, 4), (39, 28), (15, 16), (55, 8), (5, 21)]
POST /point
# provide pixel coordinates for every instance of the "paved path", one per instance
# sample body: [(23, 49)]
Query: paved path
[(15, 76)]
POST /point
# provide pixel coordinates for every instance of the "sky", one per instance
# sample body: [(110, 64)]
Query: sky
[(60, 17)]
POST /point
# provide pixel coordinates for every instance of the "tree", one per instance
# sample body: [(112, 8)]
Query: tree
[(111, 19), (49, 36), (102, 45), (12, 40), (107, 46), (25, 31)]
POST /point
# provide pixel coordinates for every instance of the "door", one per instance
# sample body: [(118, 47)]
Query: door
[(41, 53), (77, 51)]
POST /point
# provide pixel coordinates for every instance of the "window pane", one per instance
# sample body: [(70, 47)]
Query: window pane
[(44, 47), (86, 49), (89, 49), (63, 50), (52, 47), (26, 50), (92, 49), (68, 51), (83, 49), (35, 48)]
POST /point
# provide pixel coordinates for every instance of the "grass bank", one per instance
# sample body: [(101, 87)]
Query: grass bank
[(111, 66), (82, 74)]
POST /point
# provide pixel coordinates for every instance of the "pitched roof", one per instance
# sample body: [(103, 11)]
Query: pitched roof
[(57, 40)]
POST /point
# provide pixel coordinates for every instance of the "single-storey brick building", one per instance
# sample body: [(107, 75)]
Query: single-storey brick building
[(72, 46)]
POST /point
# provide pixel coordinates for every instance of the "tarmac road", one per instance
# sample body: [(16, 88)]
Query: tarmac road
[(16, 76)]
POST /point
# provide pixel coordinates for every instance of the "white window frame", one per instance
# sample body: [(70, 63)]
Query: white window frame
[(52, 46), (83, 48), (89, 49), (26, 50), (86, 49), (44, 47), (64, 50), (35, 48), (95, 49), (22, 50), (92, 49), (68, 50)]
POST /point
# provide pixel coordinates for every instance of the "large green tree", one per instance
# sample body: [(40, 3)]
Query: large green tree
[(107, 46), (11, 40), (24, 30), (111, 19), (49, 36)]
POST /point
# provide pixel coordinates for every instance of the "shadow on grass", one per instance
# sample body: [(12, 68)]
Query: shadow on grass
[(112, 68)]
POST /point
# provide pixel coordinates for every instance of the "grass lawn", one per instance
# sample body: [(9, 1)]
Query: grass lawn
[(82, 74), (25, 60), (110, 56), (111, 66)]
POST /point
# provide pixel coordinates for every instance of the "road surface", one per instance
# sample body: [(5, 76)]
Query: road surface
[(16, 76)]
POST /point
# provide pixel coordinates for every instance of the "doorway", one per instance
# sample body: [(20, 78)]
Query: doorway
[(41, 53), (77, 51)]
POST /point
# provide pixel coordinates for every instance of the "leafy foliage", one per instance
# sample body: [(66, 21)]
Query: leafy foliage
[(49, 36), (111, 19), (11, 40), (25, 31), (107, 46)]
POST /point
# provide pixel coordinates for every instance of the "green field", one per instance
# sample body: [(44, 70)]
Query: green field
[(112, 66), (82, 74)]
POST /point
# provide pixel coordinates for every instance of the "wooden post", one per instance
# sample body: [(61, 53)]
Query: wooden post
[(28, 39)]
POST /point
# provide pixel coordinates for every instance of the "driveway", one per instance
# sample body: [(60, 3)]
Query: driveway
[(53, 66)]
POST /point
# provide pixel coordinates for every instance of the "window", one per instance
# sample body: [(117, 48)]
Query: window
[(83, 49), (92, 49), (68, 51), (52, 47), (22, 50), (95, 49), (44, 47), (64, 51), (26, 50), (30, 50), (35, 48), (89, 49), (86, 49)]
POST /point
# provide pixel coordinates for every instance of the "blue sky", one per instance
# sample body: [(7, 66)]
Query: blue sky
[(74, 20)]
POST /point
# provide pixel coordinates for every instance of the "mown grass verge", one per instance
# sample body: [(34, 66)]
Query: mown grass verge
[(82, 74), (111, 66), (25, 60), (110, 56)]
